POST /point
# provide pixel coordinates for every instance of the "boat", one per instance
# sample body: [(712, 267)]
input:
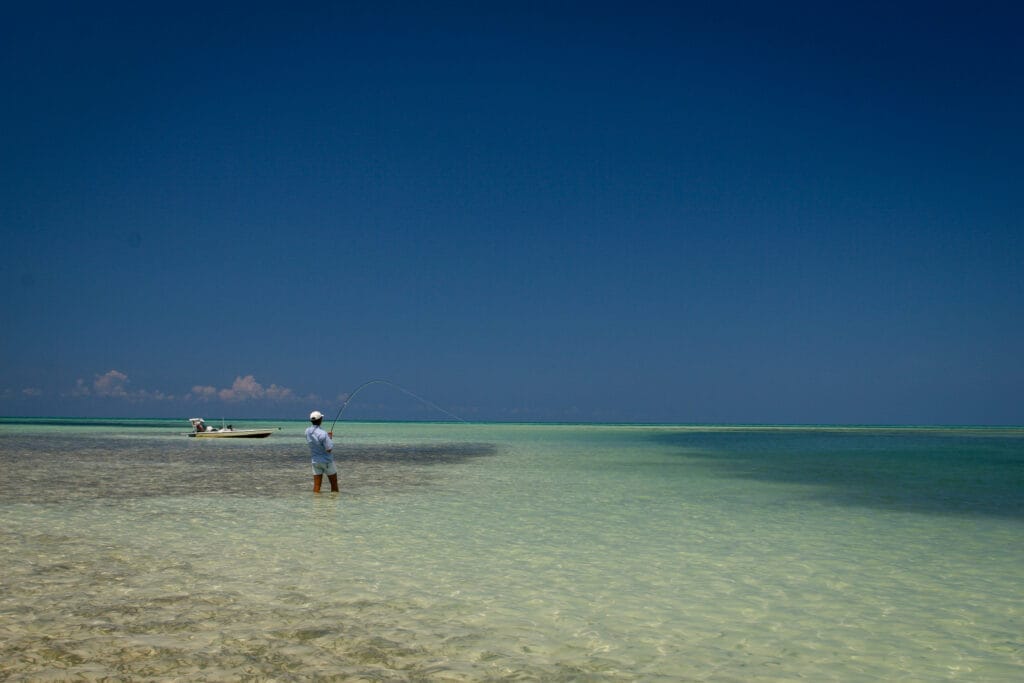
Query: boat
[(200, 429)]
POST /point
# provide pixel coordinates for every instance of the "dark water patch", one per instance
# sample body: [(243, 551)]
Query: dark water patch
[(61, 468), (955, 472), (124, 423), (415, 454)]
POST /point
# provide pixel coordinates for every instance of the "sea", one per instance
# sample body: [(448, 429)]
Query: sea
[(526, 552)]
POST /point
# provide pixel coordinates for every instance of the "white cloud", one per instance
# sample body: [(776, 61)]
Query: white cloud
[(279, 393), (114, 384), (243, 389), (80, 389), (203, 393)]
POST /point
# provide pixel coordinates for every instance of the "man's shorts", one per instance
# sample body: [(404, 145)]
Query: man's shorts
[(324, 468)]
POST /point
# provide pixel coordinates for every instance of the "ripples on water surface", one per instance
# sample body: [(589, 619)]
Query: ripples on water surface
[(493, 552)]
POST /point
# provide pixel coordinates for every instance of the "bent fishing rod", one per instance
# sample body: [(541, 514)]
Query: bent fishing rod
[(400, 388)]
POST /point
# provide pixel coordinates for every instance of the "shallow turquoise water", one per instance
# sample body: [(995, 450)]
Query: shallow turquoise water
[(536, 552)]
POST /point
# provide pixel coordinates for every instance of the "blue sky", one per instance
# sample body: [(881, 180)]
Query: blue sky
[(753, 213)]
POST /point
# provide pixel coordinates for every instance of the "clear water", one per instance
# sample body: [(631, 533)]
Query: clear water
[(490, 552)]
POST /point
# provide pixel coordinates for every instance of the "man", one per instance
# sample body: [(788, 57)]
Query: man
[(320, 447)]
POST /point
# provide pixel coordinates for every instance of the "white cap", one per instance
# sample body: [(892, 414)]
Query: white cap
[(316, 415)]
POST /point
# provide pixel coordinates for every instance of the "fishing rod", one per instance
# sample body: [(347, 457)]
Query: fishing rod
[(390, 384)]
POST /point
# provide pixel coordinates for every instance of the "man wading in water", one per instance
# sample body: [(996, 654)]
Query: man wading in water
[(320, 447)]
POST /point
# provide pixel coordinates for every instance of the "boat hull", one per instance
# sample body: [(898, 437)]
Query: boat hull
[(235, 434)]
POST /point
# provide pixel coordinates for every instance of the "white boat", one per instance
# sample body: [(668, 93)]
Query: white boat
[(199, 429)]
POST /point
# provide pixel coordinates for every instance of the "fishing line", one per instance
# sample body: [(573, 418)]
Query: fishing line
[(400, 388)]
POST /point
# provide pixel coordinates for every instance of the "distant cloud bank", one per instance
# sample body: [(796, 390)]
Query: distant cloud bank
[(116, 384), (243, 389)]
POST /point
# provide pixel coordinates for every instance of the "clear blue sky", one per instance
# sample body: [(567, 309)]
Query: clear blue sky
[(738, 212)]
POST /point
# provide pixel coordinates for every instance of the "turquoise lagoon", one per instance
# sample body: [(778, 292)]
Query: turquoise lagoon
[(465, 552)]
